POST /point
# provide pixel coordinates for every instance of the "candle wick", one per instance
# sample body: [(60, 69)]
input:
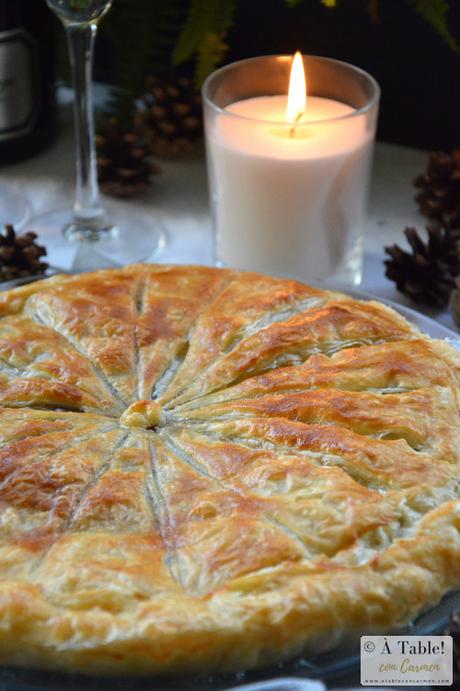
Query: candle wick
[(296, 120)]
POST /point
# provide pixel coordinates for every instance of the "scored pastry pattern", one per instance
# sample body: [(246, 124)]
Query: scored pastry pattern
[(194, 454)]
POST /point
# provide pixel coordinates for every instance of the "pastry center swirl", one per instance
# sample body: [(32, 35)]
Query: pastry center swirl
[(146, 414)]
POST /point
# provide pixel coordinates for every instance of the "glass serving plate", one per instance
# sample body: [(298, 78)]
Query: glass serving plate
[(334, 666)]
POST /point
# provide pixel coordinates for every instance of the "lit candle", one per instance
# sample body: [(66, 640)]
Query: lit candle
[(289, 175)]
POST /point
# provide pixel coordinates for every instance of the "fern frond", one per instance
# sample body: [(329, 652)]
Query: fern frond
[(203, 34), (293, 3), (436, 12), (211, 53), (143, 34), (296, 3)]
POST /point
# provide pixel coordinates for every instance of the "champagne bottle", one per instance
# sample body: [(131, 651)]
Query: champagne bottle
[(27, 99)]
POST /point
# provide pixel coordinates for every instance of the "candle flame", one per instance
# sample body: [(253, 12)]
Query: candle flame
[(297, 96)]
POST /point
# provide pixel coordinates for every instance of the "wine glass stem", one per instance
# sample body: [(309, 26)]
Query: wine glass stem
[(88, 211)]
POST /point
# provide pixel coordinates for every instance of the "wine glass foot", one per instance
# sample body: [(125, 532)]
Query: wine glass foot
[(79, 232), (72, 247)]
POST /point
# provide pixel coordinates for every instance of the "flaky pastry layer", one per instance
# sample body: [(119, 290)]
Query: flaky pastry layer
[(205, 470)]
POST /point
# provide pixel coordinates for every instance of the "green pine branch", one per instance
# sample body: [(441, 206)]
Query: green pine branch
[(436, 13), (212, 52), (148, 36), (296, 3), (143, 35), (203, 35)]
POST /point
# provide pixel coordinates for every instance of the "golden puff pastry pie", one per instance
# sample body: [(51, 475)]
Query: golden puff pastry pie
[(204, 470)]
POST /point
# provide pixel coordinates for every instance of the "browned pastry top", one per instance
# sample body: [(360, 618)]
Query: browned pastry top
[(208, 470)]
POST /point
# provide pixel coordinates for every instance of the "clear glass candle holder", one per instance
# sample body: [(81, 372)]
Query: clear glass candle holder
[(290, 199)]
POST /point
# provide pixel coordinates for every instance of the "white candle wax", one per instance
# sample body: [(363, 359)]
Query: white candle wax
[(287, 204)]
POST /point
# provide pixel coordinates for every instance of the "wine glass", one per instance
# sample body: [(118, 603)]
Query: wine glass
[(91, 236)]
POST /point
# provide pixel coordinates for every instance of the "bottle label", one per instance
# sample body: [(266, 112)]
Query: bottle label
[(19, 103)]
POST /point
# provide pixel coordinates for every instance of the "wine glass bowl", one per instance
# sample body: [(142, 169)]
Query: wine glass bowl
[(79, 11)]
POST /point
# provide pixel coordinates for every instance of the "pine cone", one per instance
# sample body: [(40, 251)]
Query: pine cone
[(20, 255), (427, 274), (124, 168), (173, 116), (439, 196)]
